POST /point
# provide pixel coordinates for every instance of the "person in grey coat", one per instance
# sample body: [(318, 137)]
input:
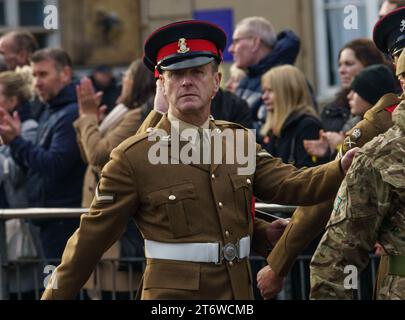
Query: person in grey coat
[(22, 239)]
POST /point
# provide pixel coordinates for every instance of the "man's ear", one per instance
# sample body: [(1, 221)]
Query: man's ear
[(217, 79), (13, 101), (256, 43), (162, 81), (23, 56), (66, 74)]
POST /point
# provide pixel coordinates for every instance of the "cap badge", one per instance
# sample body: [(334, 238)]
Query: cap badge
[(402, 25), (182, 46)]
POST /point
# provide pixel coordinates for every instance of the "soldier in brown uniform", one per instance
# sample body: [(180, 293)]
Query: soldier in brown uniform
[(195, 217), (308, 222)]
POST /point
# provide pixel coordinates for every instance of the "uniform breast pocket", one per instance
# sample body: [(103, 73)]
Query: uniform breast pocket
[(243, 191), (178, 203)]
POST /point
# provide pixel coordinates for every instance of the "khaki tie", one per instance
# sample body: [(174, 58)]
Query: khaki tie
[(201, 142)]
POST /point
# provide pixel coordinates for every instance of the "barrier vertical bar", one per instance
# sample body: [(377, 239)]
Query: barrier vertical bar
[(3, 261)]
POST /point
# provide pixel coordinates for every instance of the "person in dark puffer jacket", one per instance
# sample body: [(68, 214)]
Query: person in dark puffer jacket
[(256, 48), (54, 167)]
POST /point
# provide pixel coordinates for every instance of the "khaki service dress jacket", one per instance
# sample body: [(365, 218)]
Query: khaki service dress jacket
[(193, 203)]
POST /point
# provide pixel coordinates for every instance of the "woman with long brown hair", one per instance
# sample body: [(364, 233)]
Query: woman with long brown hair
[(353, 58)]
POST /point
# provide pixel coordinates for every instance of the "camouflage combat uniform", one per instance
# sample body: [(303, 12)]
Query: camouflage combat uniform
[(369, 207)]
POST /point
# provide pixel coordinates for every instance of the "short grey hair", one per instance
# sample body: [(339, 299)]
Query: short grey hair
[(259, 27)]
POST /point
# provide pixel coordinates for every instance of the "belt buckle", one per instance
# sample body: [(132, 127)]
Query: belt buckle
[(230, 251)]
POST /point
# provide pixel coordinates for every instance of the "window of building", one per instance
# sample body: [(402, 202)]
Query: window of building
[(28, 14), (336, 23), (2, 14), (31, 12)]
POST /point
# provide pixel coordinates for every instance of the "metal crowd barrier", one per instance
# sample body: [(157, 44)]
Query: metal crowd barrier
[(14, 268)]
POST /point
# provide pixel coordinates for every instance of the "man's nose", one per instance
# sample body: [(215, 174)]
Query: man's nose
[(186, 81), (231, 49), (38, 83)]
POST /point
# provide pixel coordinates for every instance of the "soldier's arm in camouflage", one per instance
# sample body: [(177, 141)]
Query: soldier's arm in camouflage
[(359, 208), (308, 222)]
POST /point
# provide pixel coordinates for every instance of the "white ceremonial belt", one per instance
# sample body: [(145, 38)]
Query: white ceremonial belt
[(198, 252)]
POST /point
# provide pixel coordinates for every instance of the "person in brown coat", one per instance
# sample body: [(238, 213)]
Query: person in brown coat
[(96, 141), (195, 216)]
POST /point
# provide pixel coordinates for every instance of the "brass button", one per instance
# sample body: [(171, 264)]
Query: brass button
[(172, 197), (213, 176), (230, 263), (248, 181), (220, 205), (227, 233)]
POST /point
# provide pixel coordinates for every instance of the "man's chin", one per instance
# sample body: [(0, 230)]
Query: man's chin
[(43, 98), (190, 108)]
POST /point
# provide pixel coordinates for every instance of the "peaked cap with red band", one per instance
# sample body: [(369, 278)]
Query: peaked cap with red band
[(389, 32), (184, 44)]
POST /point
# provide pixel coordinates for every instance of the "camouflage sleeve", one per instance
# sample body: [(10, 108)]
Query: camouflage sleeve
[(359, 208), (308, 222)]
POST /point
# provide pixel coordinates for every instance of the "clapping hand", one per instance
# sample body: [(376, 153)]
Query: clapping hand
[(87, 98), (317, 148), (10, 126)]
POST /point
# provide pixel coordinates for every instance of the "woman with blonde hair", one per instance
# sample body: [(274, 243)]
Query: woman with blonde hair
[(291, 116), (16, 90)]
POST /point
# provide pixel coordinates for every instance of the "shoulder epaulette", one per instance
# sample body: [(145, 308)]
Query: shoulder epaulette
[(228, 124), (126, 144)]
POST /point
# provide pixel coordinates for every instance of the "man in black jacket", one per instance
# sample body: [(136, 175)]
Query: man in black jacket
[(229, 107), (54, 167)]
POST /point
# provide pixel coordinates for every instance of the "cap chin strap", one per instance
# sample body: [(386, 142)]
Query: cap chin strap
[(400, 45)]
